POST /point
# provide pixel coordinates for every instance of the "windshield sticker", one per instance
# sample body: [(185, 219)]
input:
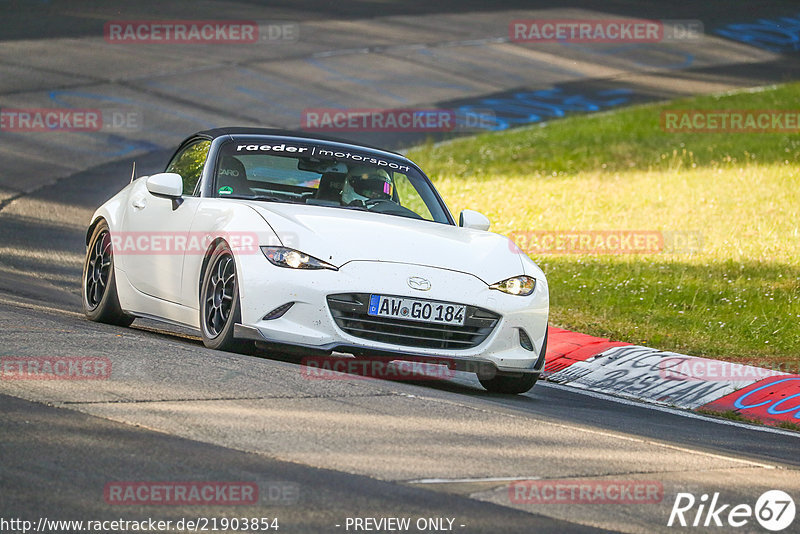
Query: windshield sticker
[(323, 152), (366, 159), (283, 147), (225, 190)]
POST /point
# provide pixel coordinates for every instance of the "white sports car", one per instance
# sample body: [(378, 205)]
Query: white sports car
[(305, 243)]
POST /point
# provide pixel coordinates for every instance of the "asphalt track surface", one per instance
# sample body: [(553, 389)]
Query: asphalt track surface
[(175, 411)]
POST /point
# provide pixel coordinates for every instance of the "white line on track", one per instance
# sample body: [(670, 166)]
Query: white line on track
[(612, 434), (673, 411), (461, 480), (38, 307)]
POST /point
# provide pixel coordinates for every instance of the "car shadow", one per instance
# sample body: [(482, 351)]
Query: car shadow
[(338, 365)]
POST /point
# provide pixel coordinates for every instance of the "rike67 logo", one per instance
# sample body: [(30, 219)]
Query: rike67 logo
[(774, 510)]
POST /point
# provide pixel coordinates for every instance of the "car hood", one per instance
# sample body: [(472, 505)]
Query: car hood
[(339, 236)]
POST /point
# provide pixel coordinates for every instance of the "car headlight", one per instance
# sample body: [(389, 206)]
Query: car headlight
[(518, 285), (294, 259)]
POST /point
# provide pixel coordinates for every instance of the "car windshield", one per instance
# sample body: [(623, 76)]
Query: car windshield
[(273, 170)]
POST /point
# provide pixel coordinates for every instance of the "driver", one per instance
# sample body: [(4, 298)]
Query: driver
[(364, 183)]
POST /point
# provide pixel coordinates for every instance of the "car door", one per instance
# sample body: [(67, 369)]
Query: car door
[(161, 227)]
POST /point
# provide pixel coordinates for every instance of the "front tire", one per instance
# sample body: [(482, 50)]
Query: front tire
[(100, 300), (512, 385), (220, 309)]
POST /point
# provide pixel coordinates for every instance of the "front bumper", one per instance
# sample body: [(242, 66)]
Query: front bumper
[(310, 325)]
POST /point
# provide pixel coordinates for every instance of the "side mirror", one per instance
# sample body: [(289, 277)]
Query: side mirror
[(473, 219), (165, 184)]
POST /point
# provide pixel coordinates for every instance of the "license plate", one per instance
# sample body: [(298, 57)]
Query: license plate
[(423, 311)]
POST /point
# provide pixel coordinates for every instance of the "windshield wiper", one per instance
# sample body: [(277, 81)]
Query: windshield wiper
[(359, 208), (263, 198)]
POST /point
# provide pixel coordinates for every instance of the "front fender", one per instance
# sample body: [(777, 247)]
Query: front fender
[(238, 225), (113, 212)]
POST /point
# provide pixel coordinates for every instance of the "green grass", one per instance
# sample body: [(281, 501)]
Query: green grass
[(731, 415), (734, 415), (788, 425), (738, 298)]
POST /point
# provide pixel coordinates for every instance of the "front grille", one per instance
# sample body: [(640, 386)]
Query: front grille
[(349, 310)]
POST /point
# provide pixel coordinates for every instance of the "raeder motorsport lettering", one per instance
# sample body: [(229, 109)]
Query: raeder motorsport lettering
[(325, 152)]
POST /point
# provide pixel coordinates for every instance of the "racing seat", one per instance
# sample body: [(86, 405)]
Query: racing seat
[(330, 186), (232, 175)]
